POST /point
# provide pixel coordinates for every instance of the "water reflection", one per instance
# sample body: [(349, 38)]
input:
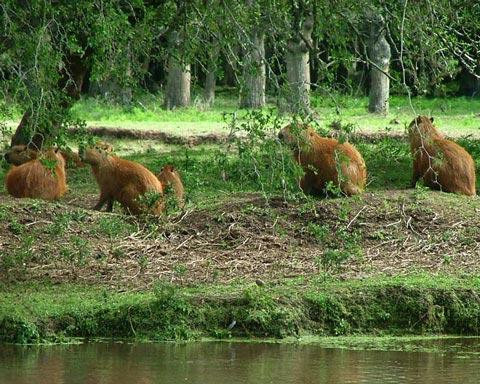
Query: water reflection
[(113, 363)]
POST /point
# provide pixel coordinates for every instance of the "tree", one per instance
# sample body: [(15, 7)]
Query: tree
[(297, 60), (49, 48), (254, 75), (177, 90), (379, 54)]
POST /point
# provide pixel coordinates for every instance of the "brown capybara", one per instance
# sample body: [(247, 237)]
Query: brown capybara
[(127, 182), (170, 177), (41, 177), (324, 160), (20, 154), (441, 164), (72, 159)]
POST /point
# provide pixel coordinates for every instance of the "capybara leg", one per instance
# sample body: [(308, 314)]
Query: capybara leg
[(306, 184), (110, 205), (415, 178), (101, 202)]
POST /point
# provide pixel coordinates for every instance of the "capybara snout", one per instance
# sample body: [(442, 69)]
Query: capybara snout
[(20, 154)]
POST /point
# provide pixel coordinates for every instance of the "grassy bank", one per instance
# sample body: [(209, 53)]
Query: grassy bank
[(31, 313)]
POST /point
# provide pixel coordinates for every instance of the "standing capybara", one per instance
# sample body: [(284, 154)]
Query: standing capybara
[(131, 184), (169, 177), (325, 160), (35, 174), (441, 163)]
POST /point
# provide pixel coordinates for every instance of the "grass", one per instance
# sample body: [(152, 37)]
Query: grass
[(388, 306), (456, 116), (246, 220)]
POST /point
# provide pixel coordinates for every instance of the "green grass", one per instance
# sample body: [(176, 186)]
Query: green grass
[(456, 116), (32, 313)]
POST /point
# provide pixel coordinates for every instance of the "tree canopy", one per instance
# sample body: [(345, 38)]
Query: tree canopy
[(50, 48)]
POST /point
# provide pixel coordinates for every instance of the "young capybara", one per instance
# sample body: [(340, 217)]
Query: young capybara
[(441, 164), (325, 160), (170, 177), (35, 174), (127, 182)]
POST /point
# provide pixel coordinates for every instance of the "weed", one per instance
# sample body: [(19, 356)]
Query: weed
[(21, 255), (113, 226), (319, 232), (15, 227)]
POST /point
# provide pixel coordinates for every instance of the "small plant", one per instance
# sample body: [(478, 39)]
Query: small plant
[(59, 226), (15, 227), (149, 199), (180, 270), (76, 252), (143, 262), (118, 253), (21, 255), (113, 226), (319, 232), (420, 191), (332, 189)]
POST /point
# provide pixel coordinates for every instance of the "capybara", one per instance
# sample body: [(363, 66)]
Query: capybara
[(324, 160), (441, 164), (20, 154), (72, 159), (42, 177), (170, 177), (127, 182)]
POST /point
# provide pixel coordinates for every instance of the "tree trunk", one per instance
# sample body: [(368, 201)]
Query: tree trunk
[(210, 76), (70, 84), (298, 69), (209, 89), (379, 52), (254, 75), (177, 90), (110, 89), (469, 84)]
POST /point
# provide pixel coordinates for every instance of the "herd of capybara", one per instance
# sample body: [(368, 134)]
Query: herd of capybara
[(440, 163)]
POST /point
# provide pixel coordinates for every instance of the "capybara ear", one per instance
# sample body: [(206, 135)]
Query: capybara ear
[(431, 119)]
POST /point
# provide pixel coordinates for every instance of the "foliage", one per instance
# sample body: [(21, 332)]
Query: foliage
[(389, 306)]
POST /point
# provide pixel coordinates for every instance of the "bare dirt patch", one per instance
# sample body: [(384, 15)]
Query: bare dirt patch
[(390, 233)]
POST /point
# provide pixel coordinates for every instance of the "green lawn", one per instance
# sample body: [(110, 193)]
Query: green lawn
[(455, 116)]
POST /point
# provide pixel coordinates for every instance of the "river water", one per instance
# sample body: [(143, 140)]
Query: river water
[(456, 361)]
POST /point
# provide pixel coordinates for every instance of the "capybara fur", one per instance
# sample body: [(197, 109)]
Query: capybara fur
[(442, 164), (72, 159), (170, 178), (42, 177), (20, 154), (129, 183), (325, 160)]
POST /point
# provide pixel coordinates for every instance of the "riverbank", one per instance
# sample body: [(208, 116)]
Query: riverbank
[(43, 312)]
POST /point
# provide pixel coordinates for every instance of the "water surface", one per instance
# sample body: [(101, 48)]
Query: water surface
[(453, 361)]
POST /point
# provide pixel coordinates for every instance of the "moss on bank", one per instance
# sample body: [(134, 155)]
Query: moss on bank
[(389, 306)]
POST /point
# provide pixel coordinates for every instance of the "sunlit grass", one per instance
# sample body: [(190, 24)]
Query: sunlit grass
[(456, 116)]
